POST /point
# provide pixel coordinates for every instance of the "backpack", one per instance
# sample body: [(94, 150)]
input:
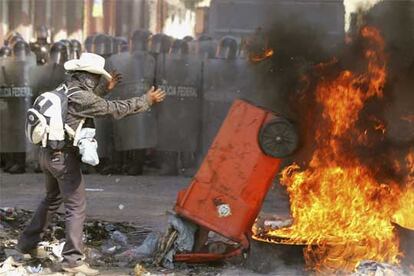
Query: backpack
[(45, 120)]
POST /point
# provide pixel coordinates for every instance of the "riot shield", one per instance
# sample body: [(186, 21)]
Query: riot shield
[(15, 98), (205, 49), (224, 80), (179, 116), (135, 131), (102, 45), (46, 77), (104, 134)]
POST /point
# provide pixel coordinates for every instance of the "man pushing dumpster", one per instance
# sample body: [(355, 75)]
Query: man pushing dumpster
[(61, 122)]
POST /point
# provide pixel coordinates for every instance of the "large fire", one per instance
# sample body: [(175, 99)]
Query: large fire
[(405, 215), (339, 207)]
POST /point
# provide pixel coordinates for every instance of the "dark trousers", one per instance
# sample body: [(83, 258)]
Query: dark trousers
[(64, 183)]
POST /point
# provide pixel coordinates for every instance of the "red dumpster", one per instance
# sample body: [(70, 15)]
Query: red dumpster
[(226, 194)]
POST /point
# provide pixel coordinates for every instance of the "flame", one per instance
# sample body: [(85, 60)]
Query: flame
[(380, 127), (405, 215), (253, 57), (337, 204)]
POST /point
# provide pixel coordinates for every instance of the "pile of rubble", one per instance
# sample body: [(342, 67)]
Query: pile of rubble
[(107, 244)]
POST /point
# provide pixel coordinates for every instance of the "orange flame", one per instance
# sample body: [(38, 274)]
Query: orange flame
[(262, 56), (338, 206), (380, 127), (405, 215)]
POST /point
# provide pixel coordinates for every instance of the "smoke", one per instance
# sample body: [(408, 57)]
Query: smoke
[(354, 6), (282, 78), (395, 20), (288, 79)]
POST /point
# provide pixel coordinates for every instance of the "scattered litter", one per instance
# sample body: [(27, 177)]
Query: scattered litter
[(121, 206), (35, 269), (109, 248), (12, 268), (7, 214), (372, 268), (138, 253), (94, 257), (117, 180), (107, 244), (103, 240), (178, 238), (57, 250), (94, 190), (139, 270), (119, 238), (186, 232), (109, 227)]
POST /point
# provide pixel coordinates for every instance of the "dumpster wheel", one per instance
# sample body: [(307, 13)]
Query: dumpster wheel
[(278, 138)]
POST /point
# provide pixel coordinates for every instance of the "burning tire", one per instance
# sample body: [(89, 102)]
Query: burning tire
[(278, 138)]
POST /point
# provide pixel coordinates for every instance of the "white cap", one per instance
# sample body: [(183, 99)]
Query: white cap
[(88, 62)]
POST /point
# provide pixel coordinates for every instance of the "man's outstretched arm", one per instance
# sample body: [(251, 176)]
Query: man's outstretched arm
[(89, 105)]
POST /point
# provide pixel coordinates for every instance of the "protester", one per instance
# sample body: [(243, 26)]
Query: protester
[(61, 164)]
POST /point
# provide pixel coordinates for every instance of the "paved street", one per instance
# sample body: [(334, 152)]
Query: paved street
[(138, 199)]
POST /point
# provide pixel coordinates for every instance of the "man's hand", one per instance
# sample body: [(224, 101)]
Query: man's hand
[(116, 78), (156, 95)]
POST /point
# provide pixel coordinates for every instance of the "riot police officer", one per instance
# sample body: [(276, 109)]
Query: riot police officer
[(89, 43), (102, 44), (59, 53), (139, 40), (120, 44), (68, 47), (225, 78), (133, 159), (41, 47), (137, 68), (160, 47), (179, 73), (12, 38), (5, 51), (16, 78), (76, 49)]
